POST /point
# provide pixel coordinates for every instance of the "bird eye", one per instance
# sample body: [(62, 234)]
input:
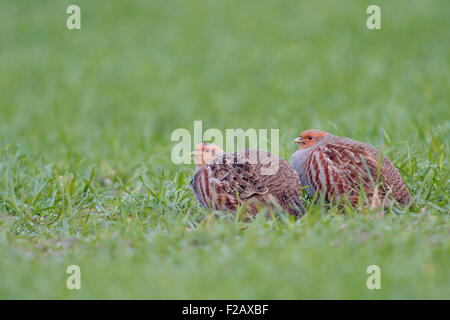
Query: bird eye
[(309, 138)]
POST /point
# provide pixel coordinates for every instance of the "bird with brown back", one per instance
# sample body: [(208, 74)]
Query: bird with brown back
[(336, 166), (247, 178)]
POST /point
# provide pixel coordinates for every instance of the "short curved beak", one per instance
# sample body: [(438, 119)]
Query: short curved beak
[(297, 140)]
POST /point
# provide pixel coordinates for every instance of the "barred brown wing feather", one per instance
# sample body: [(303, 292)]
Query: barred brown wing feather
[(338, 169), (238, 175), (231, 179), (395, 183)]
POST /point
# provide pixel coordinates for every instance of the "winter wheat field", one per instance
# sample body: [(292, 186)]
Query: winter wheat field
[(86, 117)]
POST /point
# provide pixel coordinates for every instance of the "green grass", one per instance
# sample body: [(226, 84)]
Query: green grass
[(86, 118)]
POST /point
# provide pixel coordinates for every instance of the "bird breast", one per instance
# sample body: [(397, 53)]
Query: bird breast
[(298, 162)]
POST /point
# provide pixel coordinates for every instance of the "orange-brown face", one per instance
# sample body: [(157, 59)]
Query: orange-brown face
[(204, 153), (309, 138)]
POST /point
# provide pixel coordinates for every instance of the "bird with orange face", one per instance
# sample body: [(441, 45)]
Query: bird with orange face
[(335, 166), (247, 178)]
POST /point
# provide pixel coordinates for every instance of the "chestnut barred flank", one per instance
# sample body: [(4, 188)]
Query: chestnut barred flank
[(245, 178), (337, 166)]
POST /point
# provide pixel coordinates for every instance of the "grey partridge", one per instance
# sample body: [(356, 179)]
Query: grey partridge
[(248, 178), (336, 166)]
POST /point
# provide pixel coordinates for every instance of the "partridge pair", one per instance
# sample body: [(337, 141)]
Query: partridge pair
[(325, 164)]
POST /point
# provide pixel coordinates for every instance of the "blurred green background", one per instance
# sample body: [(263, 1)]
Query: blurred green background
[(86, 118)]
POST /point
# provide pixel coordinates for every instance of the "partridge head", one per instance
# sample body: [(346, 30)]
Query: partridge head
[(204, 153), (309, 138)]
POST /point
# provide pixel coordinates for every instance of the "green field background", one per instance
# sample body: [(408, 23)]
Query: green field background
[(86, 117)]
